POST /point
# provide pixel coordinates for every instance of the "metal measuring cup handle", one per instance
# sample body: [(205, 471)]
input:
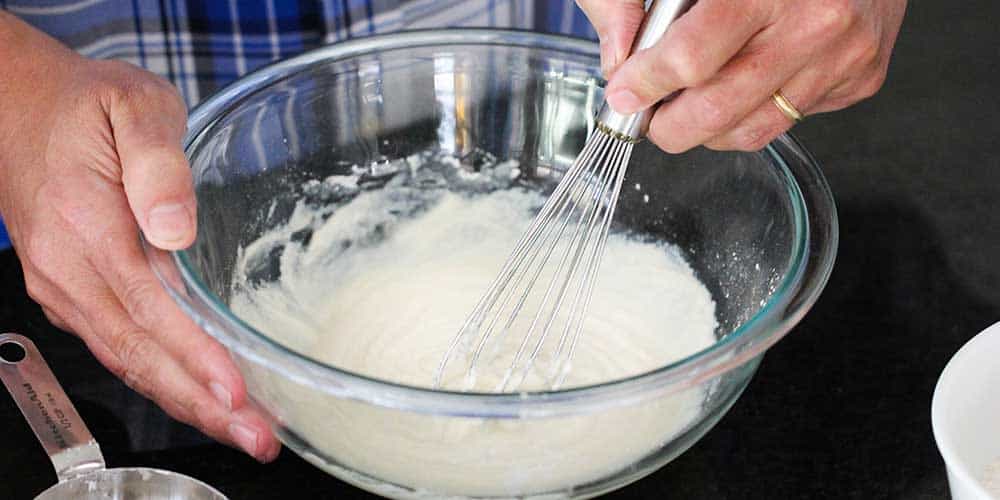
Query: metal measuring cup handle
[(72, 449), (48, 410)]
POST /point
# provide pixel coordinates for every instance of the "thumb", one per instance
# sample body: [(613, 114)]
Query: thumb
[(148, 123), (616, 23)]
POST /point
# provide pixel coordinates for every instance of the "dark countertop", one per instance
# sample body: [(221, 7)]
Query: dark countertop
[(839, 409)]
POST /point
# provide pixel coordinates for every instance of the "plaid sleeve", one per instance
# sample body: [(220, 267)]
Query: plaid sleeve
[(202, 45), (552, 16), (198, 45)]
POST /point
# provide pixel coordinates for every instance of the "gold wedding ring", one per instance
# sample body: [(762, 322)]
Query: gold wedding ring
[(787, 108)]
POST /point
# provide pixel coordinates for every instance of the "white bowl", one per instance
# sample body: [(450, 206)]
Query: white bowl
[(965, 416)]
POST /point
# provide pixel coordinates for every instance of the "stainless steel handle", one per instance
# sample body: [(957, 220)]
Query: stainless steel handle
[(660, 14), (47, 409)]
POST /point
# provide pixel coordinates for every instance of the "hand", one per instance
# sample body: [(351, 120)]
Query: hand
[(730, 56), (90, 152)]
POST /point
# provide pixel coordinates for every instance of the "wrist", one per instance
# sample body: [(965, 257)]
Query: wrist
[(36, 66)]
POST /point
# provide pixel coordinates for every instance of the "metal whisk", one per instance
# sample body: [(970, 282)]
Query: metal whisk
[(545, 287)]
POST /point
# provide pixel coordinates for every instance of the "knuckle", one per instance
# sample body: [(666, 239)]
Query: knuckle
[(720, 144), (36, 289), (711, 113), (139, 298), (99, 347), (865, 51), (34, 249), (153, 93), (831, 18), (133, 377), (872, 85), (135, 352), (112, 81), (201, 412), (666, 142), (169, 94), (193, 406), (864, 92), (856, 91), (116, 367), (685, 63), (40, 251), (115, 66), (136, 379), (126, 375), (837, 103), (55, 319), (755, 139), (138, 91)]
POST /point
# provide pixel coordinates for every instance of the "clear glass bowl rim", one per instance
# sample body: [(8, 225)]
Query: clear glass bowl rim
[(793, 297)]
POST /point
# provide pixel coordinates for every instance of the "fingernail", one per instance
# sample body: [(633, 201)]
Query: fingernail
[(624, 101), (244, 437), (169, 223), (221, 394)]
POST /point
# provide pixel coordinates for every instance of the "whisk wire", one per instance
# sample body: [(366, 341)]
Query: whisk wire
[(516, 260), (587, 194), (585, 199), (562, 367), (581, 241), (550, 242)]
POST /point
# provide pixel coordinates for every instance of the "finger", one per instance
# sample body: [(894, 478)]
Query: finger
[(692, 50), (851, 92), (113, 253), (805, 90), (56, 320), (148, 121), (118, 258), (744, 84), (862, 83), (143, 365), (862, 61), (129, 352), (616, 23), (816, 89), (137, 377), (58, 309)]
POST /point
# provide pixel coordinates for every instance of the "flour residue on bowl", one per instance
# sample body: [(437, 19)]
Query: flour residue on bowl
[(380, 284), (378, 275), (991, 478)]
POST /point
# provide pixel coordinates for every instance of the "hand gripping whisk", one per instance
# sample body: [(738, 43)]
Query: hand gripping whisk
[(529, 321)]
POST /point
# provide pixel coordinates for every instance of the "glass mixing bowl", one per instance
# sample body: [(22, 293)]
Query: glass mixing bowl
[(758, 229)]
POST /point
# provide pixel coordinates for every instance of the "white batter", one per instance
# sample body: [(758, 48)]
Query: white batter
[(387, 304)]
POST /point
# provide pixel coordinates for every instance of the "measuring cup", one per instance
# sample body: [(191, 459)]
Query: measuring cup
[(74, 452)]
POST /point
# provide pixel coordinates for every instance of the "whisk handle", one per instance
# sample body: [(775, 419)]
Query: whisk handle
[(659, 16)]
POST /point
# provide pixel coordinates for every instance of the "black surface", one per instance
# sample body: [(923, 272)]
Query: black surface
[(839, 409)]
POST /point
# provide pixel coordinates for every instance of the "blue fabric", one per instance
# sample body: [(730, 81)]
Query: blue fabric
[(4, 238), (202, 45)]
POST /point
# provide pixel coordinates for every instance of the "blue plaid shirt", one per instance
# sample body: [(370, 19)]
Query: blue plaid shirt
[(201, 45)]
